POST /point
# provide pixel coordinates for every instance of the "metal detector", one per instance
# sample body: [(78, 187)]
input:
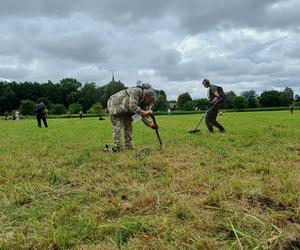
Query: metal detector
[(196, 130), (142, 154), (156, 131)]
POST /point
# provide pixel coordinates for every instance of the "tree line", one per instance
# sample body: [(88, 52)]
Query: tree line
[(70, 95), (247, 99)]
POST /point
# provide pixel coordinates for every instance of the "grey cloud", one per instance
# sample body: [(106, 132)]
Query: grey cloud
[(171, 44), (82, 47), (13, 72)]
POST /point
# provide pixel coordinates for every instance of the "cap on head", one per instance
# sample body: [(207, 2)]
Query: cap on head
[(206, 82)]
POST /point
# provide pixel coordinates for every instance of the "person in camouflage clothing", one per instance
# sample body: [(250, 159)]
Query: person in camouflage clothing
[(125, 104)]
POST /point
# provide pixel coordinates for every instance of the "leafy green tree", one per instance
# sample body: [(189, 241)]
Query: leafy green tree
[(229, 100), (270, 98), (251, 98), (88, 96), (54, 92), (74, 96), (189, 106), (286, 97), (4, 105), (202, 104), (75, 108), (240, 102), (27, 107), (68, 85), (59, 109), (96, 109), (297, 100), (161, 104), (161, 93), (182, 99), (9, 100)]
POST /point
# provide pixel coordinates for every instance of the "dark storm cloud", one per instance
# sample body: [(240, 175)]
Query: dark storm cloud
[(172, 44)]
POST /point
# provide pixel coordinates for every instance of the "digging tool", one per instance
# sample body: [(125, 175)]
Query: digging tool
[(156, 131), (196, 130)]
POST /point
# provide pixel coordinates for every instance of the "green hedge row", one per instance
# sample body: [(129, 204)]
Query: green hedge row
[(228, 110), (173, 112)]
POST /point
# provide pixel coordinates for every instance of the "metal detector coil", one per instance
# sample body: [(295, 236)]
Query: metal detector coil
[(142, 153)]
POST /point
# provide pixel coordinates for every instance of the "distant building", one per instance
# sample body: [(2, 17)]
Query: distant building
[(173, 105)]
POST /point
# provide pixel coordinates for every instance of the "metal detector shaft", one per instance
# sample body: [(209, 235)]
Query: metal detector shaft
[(205, 115), (156, 130), (200, 122)]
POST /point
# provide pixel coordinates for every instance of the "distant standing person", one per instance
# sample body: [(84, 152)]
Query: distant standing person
[(40, 112), (122, 106), (216, 96), (291, 108), (80, 114), (17, 115)]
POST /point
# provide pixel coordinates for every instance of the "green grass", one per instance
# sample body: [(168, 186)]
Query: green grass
[(240, 190)]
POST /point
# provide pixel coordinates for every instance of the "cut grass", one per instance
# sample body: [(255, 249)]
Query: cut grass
[(240, 190)]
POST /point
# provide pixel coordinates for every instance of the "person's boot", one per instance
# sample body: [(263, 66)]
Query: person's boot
[(117, 149), (129, 146)]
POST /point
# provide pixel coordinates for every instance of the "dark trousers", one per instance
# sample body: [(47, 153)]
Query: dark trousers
[(211, 119), (43, 118)]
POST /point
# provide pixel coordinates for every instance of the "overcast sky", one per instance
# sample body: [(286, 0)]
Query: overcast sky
[(171, 44)]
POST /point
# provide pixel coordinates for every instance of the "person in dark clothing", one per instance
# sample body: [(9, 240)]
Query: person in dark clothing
[(216, 99), (40, 112)]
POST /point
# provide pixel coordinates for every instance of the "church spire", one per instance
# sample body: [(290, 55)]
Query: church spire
[(113, 78)]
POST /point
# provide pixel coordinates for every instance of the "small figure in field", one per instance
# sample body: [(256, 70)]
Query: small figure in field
[(40, 112), (122, 106), (80, 114), (17, 114), (216, 96), (291, 108)]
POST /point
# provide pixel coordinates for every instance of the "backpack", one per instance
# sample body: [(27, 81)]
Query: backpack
[(220, 92)]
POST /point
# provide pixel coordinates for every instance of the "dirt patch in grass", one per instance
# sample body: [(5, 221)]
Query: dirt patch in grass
[(265, 202)]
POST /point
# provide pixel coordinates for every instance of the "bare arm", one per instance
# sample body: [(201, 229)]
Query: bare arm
[(217, 96)]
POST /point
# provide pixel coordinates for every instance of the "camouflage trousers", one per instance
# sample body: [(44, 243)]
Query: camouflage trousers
[(119, 123)]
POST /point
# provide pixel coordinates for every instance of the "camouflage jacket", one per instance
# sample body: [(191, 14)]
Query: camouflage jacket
[(127, 102)]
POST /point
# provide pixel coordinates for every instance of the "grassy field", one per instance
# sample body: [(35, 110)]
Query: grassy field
[(240, 190)]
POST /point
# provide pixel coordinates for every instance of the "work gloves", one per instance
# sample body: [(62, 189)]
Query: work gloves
[(153, 126)]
